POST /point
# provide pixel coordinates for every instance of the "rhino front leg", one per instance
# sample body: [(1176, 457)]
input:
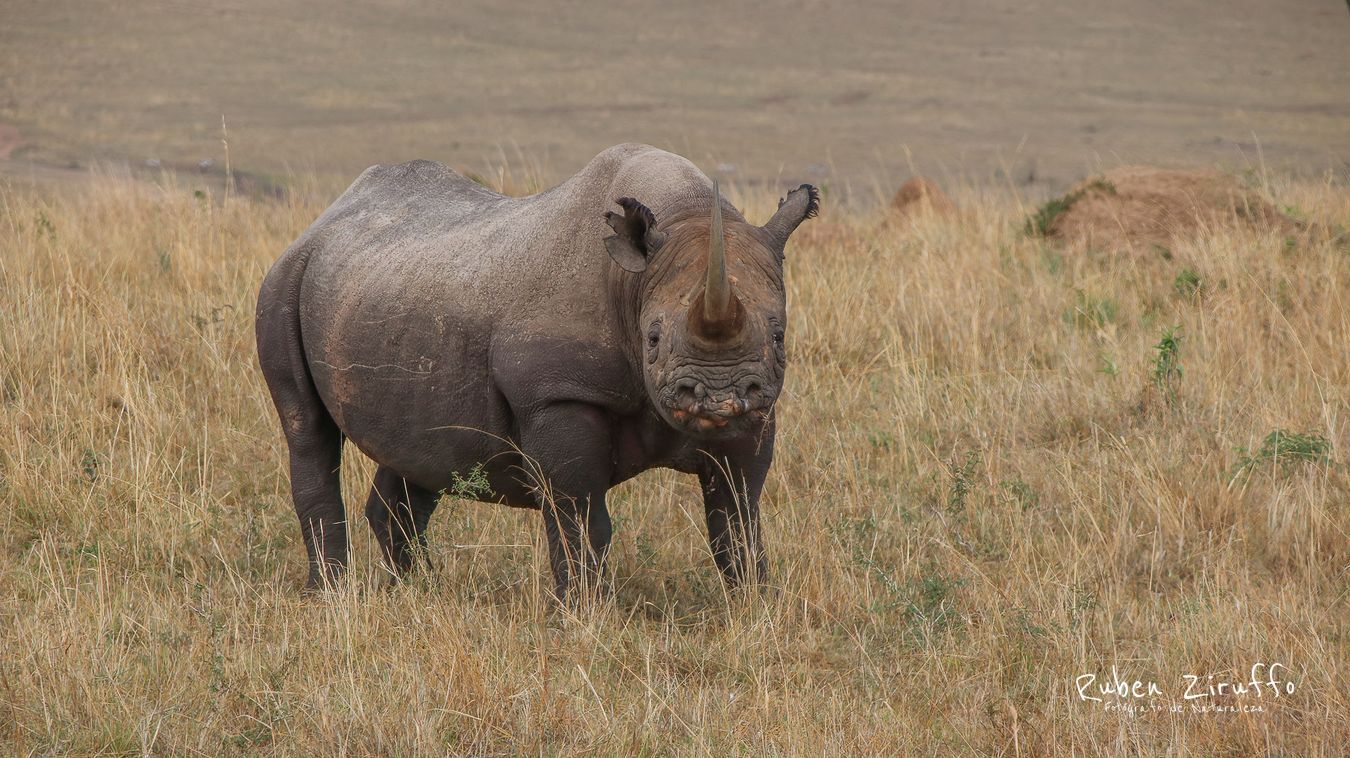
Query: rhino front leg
[(578, 531), (568, 447), (398, 512), (732, 481)]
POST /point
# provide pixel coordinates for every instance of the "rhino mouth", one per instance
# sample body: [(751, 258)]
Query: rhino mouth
[(703, 405), (727, 417)]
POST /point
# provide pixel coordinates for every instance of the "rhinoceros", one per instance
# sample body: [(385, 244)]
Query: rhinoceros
[(553, 345)]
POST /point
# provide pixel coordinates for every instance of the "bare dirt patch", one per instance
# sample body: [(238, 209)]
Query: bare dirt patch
[(1141, 207)]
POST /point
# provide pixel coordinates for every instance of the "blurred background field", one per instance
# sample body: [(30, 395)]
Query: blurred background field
[(850, 93)]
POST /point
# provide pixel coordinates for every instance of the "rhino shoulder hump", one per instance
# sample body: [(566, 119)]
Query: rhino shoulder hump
[(416, 177)]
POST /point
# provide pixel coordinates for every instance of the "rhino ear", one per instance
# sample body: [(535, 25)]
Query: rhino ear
[(799, 205), (635, 236)]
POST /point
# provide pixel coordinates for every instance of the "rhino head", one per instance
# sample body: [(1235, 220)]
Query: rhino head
[(713, 311)]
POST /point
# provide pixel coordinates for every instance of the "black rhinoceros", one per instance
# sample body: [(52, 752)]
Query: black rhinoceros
[(553, 347)]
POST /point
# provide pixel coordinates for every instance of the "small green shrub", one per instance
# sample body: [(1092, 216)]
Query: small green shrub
[(1188, 283), (473, 485), (1284, 449), (1167, 371), (962, 482), (1039, 223), (1108, 365), (1090, 311), (1022, 493), (90, 462), (46, 227)]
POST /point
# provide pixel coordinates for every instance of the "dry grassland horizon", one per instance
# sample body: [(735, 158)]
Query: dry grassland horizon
[(1003, 466)]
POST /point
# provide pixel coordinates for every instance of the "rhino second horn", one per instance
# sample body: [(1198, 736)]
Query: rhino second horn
[(717, 289)]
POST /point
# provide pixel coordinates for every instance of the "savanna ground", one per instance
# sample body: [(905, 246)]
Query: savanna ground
[(1002, 465)]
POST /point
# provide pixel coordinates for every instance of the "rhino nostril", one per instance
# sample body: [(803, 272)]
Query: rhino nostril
[(686, 394)]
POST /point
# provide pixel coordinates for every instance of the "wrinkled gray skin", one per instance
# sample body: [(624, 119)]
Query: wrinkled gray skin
[(439, 325)]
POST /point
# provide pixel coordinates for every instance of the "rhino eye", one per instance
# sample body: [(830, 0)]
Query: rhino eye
[(778, 337), (653, 340)]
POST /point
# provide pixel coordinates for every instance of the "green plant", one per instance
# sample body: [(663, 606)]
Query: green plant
[(962, 482), (1022, 493), (882, 440), (1282, 448), (1040, 223), (472, 485), (932, 601), (89, 464), (1167, 370), (1109, 366), (1052, 259), (1081, 602), (1090, 311), (45, 226), (1187, 283)]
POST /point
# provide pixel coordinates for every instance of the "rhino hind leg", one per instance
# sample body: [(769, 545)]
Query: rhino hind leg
[(313, 438), (316, 456), (315, 445), (398, 512)]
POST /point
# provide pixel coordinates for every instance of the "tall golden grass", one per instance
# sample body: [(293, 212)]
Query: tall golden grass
[(984, 490)]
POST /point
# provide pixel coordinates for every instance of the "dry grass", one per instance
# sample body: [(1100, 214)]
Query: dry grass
[(984, 490)]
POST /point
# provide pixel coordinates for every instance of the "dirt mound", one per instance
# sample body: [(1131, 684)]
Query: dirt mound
[(1140, 207), (920, 196)]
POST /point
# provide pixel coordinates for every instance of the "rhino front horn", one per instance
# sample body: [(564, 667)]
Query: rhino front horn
[(718, 308)]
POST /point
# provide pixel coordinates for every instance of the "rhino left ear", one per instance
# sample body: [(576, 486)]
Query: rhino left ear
[(799, 205), (635, 236)]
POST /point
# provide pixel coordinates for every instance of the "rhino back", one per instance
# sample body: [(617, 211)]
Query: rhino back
[(421, 233)]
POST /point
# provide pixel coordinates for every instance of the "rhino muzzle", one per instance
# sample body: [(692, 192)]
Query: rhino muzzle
[(702, 406)]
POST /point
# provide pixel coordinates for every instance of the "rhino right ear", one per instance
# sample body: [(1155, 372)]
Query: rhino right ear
[(635, 236), (799, 205)]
